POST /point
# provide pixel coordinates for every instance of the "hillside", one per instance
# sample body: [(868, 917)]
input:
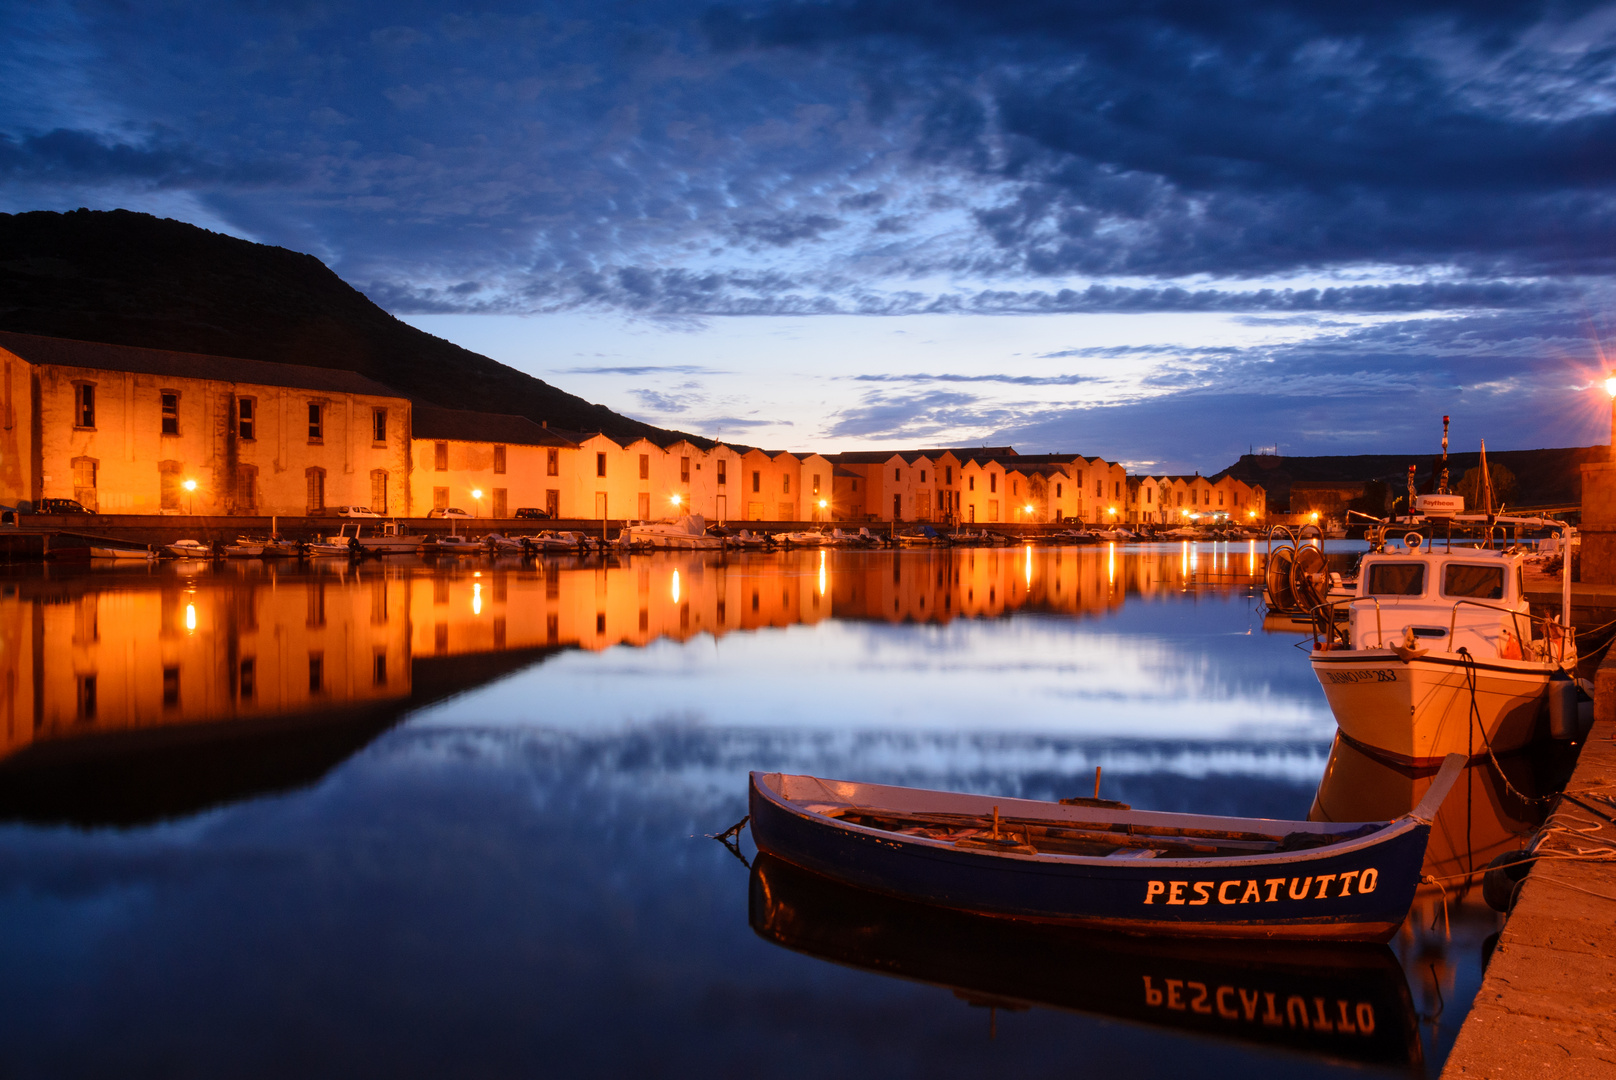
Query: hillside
[(1543, 477), (133, 279)]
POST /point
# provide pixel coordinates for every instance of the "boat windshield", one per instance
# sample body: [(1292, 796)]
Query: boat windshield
[(1478, 582), (1396, 579)]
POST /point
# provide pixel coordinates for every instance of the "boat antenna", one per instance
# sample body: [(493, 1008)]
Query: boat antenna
[(1442, 488), (1410, 507)]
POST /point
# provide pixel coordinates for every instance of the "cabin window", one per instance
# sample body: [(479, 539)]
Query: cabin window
[(84, 405), (316, 422), (245, 410), (499, 458), (171, 412), (1396, 579), (440, 456), (552, 463), (378, 425), (1477, 582)]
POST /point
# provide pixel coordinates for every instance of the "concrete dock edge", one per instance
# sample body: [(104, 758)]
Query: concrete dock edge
[(1547, 1004)]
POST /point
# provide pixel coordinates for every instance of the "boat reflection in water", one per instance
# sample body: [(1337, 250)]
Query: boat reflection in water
[(1343, 1002)]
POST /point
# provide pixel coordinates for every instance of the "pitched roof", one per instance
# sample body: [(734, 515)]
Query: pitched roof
[(181, 365), (463, 425)]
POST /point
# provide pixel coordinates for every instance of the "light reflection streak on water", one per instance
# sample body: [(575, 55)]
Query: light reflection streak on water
[(822, 577), (676, 586), (477, 598), (190, 618)]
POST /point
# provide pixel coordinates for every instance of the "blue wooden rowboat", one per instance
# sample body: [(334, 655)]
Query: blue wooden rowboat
[(1096, 863)]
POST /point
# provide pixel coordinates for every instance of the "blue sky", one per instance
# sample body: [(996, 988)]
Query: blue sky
[(1157, 231)]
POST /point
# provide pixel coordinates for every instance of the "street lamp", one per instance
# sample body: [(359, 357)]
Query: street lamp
[(677, 499), (190, 491), (477, 496)]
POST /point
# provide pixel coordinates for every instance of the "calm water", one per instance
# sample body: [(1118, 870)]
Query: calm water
[(409, 819)]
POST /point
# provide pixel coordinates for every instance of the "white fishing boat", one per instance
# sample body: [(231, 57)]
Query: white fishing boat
[(501, 544), (243, 550), (800, 538), (1440, 653), (390, 539), (685, 533)]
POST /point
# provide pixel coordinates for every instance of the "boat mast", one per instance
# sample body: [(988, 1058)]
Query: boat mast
[(1442, 488)]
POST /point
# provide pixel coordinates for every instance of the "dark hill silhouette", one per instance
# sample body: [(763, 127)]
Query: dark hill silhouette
[(1550, 477), (134, 279)]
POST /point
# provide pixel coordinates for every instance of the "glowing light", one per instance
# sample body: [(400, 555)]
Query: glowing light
[(1251, 557), (190, 618), (1112, 511), (822, 577), (189, 485), (476, 493), (676, 586), (1111, 561), (1610, 386), (477, 598), (677, 499), (823, 504), (1252, 514), (1029, 563)]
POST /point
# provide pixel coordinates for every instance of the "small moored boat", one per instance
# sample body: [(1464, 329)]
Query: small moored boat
[(1098, 863)]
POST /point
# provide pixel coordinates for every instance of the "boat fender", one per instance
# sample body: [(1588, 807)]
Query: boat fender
[(1502, 879), (1564, 723)]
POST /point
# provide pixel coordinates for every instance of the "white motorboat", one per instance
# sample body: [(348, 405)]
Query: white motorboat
[(1440, 654), (800, 538), (501, 544), (390, 539), (190, 549), (243, 550), (685, 533), (102, 551), (456, 545), (1115, 533)]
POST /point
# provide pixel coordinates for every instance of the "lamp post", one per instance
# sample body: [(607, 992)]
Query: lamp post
[(1610, 388), (476, 501), (190, 493)]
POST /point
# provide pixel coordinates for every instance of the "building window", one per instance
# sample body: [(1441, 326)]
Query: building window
[(1220, 498), (378, 490), (1148, 494), (993, 484), (723, 471), (600, 464), (922, 476), (440, 456), (950, 474), (316, 672), (168, 484), (1057, 491), (757, 480), (786, 484), (552, 463), (248, 678), (897, 474), (315, 478), (645, 467), (499, 502), (171, 412), (684, 470), (1116, 489), (378, 425), (378, 670), (86, 697), (84, 405), (440, 498), (84, 469), (316, 422), (499, 459), (552, 502), (245, 408), (855, 485), (970, 483), (246, 489), (816, 483)]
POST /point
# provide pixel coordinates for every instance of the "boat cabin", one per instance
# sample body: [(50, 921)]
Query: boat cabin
[(1473, 598)]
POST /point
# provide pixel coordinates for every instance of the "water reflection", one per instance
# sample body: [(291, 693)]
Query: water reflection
[(1350, 1003)]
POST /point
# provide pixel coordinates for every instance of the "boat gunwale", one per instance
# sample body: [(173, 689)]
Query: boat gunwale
[(1389, 831), (1446, 659)]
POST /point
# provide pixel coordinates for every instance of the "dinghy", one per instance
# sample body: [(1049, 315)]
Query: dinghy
[(1098, 863)]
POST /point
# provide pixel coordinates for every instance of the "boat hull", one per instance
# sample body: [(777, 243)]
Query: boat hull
[(1270, 895), (1418, 711)]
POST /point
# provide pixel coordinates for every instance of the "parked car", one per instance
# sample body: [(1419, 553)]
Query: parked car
[(531, 512), (356, 512), (448, 512), (60, 506)]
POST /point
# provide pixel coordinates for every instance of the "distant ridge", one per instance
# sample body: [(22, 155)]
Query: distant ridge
[(1551, 477), (126, 278)]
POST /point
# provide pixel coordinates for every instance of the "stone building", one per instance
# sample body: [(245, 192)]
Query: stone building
[(487, 464), (146, 431)]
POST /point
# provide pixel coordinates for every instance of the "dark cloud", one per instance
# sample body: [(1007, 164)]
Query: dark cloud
[(916, 416)]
